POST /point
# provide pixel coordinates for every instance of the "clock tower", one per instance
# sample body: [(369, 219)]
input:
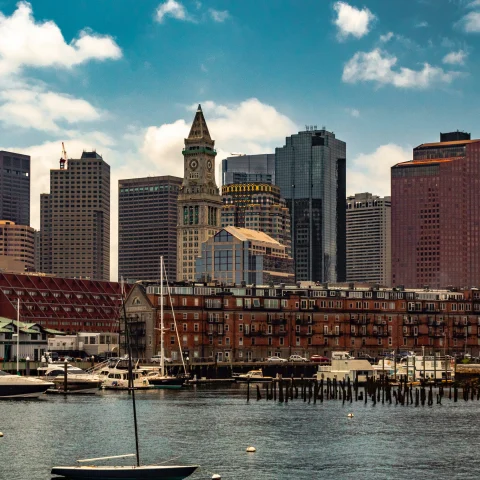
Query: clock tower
[(199, 200)]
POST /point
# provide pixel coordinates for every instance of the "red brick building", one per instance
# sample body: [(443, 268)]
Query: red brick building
[(248, 323), (436, 215), (64, 304)]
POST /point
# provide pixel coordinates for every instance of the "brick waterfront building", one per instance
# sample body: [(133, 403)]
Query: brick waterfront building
[(251, 323), (63, 304), (436, 215)]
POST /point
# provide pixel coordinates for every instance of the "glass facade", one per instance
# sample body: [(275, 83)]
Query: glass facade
[(249, 168), (310, 171)]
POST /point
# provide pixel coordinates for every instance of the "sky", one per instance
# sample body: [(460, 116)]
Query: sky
[(124, 77)]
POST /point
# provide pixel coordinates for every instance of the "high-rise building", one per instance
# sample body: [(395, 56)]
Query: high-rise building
[(249, 168), (257, 206), (369, 256), (17, 247), (147, 227), (15, 187), (75, 219), (311, 173), (199, 201), (436, 215)]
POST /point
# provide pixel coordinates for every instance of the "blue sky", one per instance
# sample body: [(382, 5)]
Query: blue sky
[(124, 76)]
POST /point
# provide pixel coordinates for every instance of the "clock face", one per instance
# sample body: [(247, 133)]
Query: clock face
[(193, 164), (209, 164)]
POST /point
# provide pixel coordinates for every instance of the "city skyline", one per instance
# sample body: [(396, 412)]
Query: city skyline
[(386, 79)]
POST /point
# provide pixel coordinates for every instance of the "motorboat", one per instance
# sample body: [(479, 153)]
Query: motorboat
[(15, 386), (253, 376), (116, 376), (166, 381), (78, 380)]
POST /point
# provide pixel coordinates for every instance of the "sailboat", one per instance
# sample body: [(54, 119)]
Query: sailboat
[(162, 379), (125, 472)]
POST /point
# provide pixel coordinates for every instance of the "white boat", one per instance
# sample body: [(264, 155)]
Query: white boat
[(344, 369), (130, 472), (78, 380), (116, 376), (252, 376), (15, 386)]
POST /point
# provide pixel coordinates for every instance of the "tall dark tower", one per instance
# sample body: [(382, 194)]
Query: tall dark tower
[(199, 201)]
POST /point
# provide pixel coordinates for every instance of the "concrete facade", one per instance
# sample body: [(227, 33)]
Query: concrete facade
[(147, 227), (17, 244), (75, 220), (369, 254)]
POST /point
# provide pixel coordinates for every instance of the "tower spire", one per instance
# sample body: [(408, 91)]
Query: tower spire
[(199, 129)]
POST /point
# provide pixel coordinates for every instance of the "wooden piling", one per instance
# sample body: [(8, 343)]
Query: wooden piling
[(259, 397), (248, 389)]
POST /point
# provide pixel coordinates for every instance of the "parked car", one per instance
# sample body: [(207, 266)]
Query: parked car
[(275, 359), (297, 358), (319, 359), (157, 359)]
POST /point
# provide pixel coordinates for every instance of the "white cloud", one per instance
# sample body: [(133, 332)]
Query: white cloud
[(371, 172), (352, 21), (353, 112), (25, 42), (377, 66), (218, 15), (387, 37), (43, 110), (248, 127), (171, 8), (470, 23), (422, 24), (474, 4), (455, 58)]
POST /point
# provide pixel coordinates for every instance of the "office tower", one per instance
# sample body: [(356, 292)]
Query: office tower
[(147, 227), (435, 215), (257, 206), (15, 187), (199, 201), (310, 171), (75, 219), (235, 255), (17, 247), (249, 168), (369, 239)]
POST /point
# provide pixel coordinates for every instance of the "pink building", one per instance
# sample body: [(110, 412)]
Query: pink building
[(436, 215)]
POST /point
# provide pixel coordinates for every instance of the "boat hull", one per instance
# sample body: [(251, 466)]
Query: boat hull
[(150, 472), (166, 382), (26, 389)]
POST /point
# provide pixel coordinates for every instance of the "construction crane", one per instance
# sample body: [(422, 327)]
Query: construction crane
[(63, 159)]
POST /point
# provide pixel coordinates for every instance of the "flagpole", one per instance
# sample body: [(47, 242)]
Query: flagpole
[(18, 336)]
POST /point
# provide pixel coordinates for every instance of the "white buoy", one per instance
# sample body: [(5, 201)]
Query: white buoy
[(1, 434), (216, 476), (251, 449), (350, 415)]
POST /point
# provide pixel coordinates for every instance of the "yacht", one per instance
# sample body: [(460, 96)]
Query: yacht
[(115, 376), (15, 386), (78, 380)]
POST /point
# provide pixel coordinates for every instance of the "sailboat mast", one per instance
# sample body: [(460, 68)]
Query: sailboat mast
[(131, 382), (162, 346), (18, 336)]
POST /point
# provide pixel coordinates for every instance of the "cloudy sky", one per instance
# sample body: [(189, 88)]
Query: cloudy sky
[(124, 77)]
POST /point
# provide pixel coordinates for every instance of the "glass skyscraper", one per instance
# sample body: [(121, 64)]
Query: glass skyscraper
[(249, 168), (311, 171)]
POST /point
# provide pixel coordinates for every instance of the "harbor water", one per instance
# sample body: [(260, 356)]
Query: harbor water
[(213, 427)]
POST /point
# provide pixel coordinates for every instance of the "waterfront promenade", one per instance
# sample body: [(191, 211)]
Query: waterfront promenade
[(213, 427)]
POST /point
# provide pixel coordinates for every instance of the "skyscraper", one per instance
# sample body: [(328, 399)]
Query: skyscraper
[(369, 256), (310, 171), (257, 206), (75, 219), (17, 247), (15, 187), (147, 227), (199, 201), (436, 215), (249, 168)]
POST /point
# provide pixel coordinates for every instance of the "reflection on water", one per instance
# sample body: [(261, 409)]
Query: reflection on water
[(213, 427)]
